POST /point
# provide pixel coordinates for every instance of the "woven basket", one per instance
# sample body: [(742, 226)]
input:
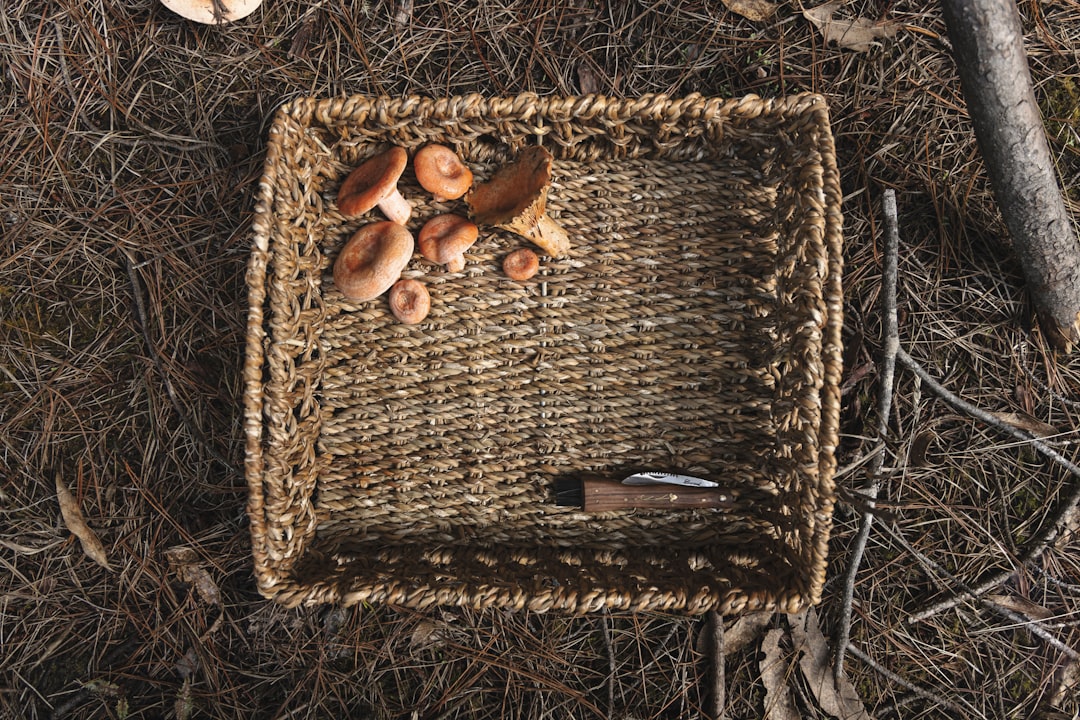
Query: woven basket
[(693, 327)]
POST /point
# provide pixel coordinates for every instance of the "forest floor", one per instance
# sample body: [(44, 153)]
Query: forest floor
[(134, 141)]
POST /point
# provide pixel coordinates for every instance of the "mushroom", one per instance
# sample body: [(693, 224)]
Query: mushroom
[(372, 260), (375, 183), (212, 12), (515, 199), (440, 171), (521, 264), (409, 301), (445, 238)]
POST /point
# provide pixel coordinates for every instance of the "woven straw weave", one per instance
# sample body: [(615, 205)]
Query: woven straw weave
[(693, 327)]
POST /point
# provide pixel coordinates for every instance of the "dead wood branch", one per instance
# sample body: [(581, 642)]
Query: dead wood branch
[(988, 45)]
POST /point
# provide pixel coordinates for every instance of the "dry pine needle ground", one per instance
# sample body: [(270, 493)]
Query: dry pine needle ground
[(133, 141)]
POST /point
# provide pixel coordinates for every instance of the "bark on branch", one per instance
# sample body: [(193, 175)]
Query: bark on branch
[(988, 45)]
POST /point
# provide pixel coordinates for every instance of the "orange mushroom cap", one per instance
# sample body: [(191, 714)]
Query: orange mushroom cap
[(440, 171), (372, 260), (409, 301), (375, 183), (521, 264), (515, 199), (445, 238)]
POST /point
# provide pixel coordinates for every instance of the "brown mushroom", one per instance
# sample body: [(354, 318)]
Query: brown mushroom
[(440, 171), (521, 264), (409, 301), (372, 260), (445, 238), (515, 199), (375, 183)]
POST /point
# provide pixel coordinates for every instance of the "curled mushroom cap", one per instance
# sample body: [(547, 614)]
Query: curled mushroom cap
[(445, 238), (515, 199), (440, 171), (409, 301), (372, 260), (521, 264), (375, 183), (212, 12)]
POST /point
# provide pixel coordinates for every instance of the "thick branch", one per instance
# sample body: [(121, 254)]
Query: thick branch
[(988, 45)]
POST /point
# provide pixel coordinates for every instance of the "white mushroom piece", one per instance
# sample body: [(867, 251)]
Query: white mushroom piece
[(515, 199), (212, 12)]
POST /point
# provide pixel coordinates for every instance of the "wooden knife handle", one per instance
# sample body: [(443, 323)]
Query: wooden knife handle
[(606, 495)]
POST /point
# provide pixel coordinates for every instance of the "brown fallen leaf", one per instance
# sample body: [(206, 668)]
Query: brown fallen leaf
[(756, 10), (73, 519), (1027, 423), (185, 563), (839, 702), (857, 34), (588, 80), (1021, 605), (430, 634), (745, 630), (775, 672), (1068, 684)]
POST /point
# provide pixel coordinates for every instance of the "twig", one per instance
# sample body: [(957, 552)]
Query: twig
[(1022, 347), (144, 327), (1016, 617), (606, 634), (885, 393), (921, 692), (719, 689), (1038, 544)]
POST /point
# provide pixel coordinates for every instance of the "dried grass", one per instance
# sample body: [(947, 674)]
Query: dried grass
[(134, 139)]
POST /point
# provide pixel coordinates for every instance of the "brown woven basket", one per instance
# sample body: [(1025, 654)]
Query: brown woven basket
[(693, 327)]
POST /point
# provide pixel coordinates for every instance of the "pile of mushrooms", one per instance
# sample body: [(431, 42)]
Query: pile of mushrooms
[(372, 261)]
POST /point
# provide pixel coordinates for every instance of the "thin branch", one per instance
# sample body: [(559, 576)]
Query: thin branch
[(719, 688), (1046, 537), (1058, 397), (885, 393), (921, 692), (606, 634), (1034, 627)]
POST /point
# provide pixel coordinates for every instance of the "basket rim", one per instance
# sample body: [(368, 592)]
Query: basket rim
[(273, 578)]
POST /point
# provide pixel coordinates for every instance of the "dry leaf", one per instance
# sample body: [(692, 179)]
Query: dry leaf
[(756, 10), (1068, 684), (842, 702), (403, 17), (1027, 423), (857, 34), (184, 704), (1021, 605), (428, 634), (73, 519), (588, 80), (744, 631), (185, 563), (775, 671)]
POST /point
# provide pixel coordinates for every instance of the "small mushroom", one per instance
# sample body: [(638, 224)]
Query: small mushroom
[(440, 171), (409, 301), (521, 264), (375, 183), (515, 199), (212, 12), (445, 238), (372, 260)]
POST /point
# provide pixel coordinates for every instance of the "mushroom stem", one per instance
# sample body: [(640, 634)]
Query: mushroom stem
[(396, 208), (549, 236)]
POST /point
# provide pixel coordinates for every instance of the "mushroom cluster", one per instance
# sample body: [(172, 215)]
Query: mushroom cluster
[(514, 199)]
